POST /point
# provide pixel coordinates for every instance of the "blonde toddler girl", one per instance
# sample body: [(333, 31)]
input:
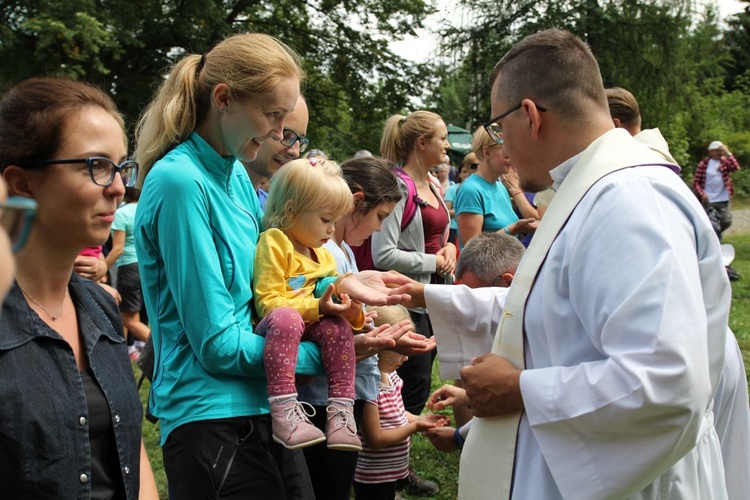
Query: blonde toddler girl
[(296, 294)]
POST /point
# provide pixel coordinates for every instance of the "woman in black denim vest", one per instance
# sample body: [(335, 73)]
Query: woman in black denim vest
[(70, 419)]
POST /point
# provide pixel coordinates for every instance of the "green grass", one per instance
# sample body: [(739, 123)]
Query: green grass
[(432, 464), (150, 436), (739, 319), (443, 467), (740, 203)]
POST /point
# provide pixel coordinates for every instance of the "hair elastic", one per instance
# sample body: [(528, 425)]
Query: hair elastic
[(201, 63), (400, 124)]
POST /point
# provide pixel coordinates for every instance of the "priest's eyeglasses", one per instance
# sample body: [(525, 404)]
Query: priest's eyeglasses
[(495, 129)]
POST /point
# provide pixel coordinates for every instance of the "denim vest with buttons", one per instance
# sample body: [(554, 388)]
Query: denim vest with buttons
[(44, 435)]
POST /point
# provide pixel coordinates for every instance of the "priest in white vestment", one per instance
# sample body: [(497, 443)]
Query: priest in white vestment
[(624, 326)]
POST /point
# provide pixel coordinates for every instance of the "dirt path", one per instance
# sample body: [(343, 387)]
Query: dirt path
[(740, 222)]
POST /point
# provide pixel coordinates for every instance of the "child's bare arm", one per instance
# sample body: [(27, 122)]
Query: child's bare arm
[(378, 438)]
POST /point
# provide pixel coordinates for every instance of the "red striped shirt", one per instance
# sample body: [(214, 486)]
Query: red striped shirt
[(391, 463)]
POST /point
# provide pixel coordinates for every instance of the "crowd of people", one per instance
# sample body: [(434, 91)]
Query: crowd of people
[(569, 282)]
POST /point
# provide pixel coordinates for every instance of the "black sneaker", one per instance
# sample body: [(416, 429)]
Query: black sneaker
[(732, 274), (416, 486)]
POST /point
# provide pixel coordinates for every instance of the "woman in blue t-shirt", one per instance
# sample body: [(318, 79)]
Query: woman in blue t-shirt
[(483, 204), (124, 257)]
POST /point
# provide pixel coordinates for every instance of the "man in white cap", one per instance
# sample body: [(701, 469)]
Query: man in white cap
[(713, 184)]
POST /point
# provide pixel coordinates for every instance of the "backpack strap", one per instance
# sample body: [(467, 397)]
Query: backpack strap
[(410, 205), (363, 253)]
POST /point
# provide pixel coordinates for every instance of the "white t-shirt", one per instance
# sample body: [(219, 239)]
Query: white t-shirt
[(715, 188)]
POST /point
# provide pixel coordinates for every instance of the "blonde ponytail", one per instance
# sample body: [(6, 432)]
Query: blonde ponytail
[(170, 117), (401, 133), (390, 143), (250, 64)]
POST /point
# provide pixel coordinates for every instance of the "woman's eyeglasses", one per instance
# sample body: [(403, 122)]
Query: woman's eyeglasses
[(102, 170), (290, 137), (16, 217)]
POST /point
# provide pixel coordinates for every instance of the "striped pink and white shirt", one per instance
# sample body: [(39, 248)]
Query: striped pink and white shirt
[(391, 463)]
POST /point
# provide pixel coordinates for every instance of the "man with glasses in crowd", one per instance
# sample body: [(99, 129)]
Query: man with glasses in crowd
[(466, 319), (272, 155), (613, 334), (467, 316)]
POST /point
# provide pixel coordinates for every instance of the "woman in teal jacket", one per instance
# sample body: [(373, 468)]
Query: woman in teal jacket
[(197, 227)]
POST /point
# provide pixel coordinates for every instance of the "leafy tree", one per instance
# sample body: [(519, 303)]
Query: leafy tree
[(671, 57), (494, 25), (737, 39), (638, 43), (126, 46)]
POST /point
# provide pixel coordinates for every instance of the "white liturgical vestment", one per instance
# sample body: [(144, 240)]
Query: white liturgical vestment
[(624, 343), (468, 320)]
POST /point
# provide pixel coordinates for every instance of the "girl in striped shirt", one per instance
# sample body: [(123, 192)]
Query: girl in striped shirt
[(386, 425)]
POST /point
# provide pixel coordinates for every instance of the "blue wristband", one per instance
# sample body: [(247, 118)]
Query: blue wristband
[(458, 439)]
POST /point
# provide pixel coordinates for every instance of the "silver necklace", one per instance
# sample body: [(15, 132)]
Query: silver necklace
[(53, 316)]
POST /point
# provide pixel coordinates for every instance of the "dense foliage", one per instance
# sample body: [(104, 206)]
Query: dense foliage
[(689, 69), (354, 80)]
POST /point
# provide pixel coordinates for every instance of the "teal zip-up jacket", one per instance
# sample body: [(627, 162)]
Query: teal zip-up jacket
[(196, 231)]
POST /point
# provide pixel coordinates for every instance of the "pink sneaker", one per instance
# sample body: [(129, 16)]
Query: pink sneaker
[(341, 431), (292, 427)]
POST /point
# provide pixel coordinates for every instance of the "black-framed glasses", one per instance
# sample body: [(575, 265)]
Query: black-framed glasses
[(290, 137), (102, 170), (495, 130), (16, 217)]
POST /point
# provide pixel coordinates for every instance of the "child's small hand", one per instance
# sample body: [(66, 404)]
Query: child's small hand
[(437, 419), (327, 307), (423, 424), (371, 316), (352, 314)]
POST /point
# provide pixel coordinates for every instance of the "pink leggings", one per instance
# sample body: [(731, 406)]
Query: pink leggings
[(283, 329)]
